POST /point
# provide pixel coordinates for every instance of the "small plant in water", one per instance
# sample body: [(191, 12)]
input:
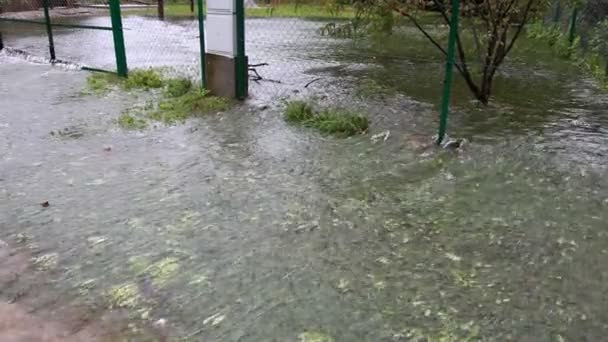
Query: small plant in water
[(99, 82), (336, 121), (124, 296), (143, 79), (298, 111), (128, 121), (178, 87), (196, 101)]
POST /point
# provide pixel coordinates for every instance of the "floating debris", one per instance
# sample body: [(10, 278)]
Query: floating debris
[(315, 336), (453, 257), (214, 319)]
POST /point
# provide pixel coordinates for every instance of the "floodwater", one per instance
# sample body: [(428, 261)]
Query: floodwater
[(238, 227)]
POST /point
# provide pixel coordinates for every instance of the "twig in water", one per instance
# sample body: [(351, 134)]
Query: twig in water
[(311, 82)]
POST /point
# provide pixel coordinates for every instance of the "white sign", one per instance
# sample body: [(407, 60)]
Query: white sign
[(220, 34), (220, 5)]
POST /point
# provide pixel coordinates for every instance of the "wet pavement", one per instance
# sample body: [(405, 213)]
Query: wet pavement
[(238, 227)]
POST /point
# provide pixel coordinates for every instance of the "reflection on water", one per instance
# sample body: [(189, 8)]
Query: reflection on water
[(237, 227)]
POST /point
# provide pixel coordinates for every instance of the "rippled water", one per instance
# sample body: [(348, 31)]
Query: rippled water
[(237, 227)]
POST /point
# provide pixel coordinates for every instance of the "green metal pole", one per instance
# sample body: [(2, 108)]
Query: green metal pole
[(572, 31), (241, 60), (449, 67), (119, 40), (49, 29), (201, 35)]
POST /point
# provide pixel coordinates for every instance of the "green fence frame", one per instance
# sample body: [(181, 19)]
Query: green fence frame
[(117, 30), (241, 59), (449, 69)]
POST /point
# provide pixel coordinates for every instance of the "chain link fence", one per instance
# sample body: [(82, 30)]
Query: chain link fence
[(578, 31), (322, 52), (164, 36), (77, 33)]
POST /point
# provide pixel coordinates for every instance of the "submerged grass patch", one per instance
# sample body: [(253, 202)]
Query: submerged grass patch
[(178, 87), (180, 99), (335, 121), (298, 111), (127, 120), (143, 79), (99, 82), (193, 103)]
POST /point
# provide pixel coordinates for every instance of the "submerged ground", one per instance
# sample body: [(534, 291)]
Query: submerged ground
[(238, 227)]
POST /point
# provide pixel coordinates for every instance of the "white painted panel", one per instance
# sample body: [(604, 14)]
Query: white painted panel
[(221, 34), (221, 5)]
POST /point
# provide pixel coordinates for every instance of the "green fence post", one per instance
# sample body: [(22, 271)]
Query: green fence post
[(201, 35), (572, 31), (161, 9), (449, 67), (241, 60), (49, 29), (119, 40), (1, 42)]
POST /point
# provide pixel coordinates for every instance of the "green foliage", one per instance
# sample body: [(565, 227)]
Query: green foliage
[(592, 62), (298, 112), (340, 122), (99, 82), (143, 79), (335, 121), (541, 31), (309, 11), (178, 109), (180, 99), (178, 87), (128, 121)]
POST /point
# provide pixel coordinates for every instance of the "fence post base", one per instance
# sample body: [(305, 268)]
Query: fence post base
[(223, 75), (119, 40)]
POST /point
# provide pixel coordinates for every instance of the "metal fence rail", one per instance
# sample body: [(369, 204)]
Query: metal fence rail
[(22, 23)]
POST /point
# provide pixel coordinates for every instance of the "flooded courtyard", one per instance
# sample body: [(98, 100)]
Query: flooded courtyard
[(240, 227)]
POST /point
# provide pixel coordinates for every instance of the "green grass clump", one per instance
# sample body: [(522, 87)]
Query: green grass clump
[(340, 122), (99, 83), (336, 121), (193, 103), (298, 111), (143, 79), (178, 87), (128, 121)]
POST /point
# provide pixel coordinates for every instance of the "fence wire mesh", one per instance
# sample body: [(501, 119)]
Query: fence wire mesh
[(167, 40), (312, 50), (170, 43), (81, 31), (579, 32)]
